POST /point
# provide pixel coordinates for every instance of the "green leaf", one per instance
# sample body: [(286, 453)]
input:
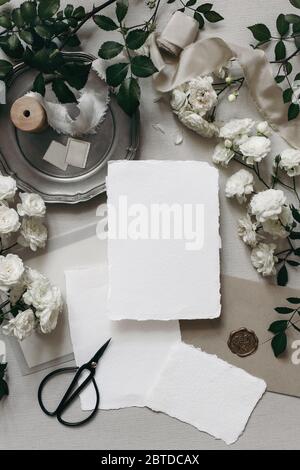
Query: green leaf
[(128, 96), (260, 32), (191, 3), (73, 41), (293, 263), (26, 36), (283, 310), (76, 73), (280, 50), (2, 2), (115, 74), (293, 19), (279, 78), (14, 47), (279, 343), (213, 16), (48, 8), (297, 252), (198, 17), (293, 111), (110, 49), (5, 68), (295, 3), (282, 25), (136, 38), (278, 326), (106, 23), (5, 21), (79, 13), (205, 7), (63, 92), (282, 276), (121, 9), (295, 235), (28, 12), (39, 85), (68, 11), (43, 31), (288, 68), (293, 300), (287, 95), (17, 18), (142, 66), (296, 214)]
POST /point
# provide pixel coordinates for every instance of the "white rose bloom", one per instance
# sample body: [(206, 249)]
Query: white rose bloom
[(178, 99), (31, 275), (236, 128), (247, 231), (42, 295), (263, 259), (197, 124), (8, 188), (222, 155), (267, 204), (32, 205), (255, 149), (290, 162), (21, 326), (48, 319), (276, 228), (263, 128), (33, 233), (9, 220), (239, 185), (201, 95), (11, 271)]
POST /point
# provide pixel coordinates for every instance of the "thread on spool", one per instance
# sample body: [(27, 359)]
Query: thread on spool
[(28, 115)]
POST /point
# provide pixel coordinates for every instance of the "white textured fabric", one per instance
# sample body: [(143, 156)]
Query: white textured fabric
[(206, 392), (157, 276), (135, 354)]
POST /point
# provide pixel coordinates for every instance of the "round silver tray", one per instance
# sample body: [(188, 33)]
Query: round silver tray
[(21, 153)]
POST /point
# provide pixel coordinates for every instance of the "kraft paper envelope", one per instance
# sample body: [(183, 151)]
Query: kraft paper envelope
[(251, 305)]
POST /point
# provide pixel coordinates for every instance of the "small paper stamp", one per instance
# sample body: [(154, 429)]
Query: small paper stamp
[(77, 152)]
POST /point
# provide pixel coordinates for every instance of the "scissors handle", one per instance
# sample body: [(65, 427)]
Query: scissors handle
[(70, 394)]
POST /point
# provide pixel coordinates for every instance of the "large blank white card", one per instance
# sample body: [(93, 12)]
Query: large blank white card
[(163, 243)]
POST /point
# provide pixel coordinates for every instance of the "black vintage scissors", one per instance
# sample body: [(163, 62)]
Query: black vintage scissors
[(74, 388)]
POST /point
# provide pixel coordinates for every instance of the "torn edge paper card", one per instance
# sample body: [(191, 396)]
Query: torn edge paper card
[(2, 92), (135, 355), (77, 152), (163, 240), (56, 155), (202, 390)]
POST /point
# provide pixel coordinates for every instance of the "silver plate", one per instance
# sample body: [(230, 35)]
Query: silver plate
[(21, 152)]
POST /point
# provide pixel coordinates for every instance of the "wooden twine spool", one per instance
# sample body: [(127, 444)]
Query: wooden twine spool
[(28, 115)]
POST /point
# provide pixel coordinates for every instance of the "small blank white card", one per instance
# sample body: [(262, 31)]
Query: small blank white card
[(163, 247)]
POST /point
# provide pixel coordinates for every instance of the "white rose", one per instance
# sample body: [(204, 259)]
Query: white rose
[(9, 220), (236, 128), (11, 271), (290, 161), (263, 128), (222, 155), (8, 187), (48, 319), (276, 228), (42, 295), (33, 233), (178, 99), (31, 275), (267, 204), (247, 231), (32, 205), (21, 326), (255, 149), (263, 259), (197, 124), (201, 95), (239, 185)]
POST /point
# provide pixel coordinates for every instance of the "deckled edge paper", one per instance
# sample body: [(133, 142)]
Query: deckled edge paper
[(77, 152), (159, 278), (202, 390), (135, 355)]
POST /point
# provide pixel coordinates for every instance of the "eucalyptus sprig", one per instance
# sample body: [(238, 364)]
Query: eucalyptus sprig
[(287, 34), (3, 384), (280, 327)]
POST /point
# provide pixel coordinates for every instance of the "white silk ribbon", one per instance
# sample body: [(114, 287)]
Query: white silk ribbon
[(206, 56)]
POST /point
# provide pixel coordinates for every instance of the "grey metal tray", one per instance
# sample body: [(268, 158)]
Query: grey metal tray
[(21, 153)]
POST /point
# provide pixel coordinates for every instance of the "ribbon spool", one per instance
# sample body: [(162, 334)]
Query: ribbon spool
[(28, 115)]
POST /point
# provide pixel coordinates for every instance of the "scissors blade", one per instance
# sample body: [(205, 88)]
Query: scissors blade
[(101, 351)]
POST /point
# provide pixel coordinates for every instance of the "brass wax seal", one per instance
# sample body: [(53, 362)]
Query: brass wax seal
[(243, 342)]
